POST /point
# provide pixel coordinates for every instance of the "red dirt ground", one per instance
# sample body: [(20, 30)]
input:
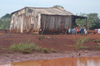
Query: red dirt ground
[(60, 42)]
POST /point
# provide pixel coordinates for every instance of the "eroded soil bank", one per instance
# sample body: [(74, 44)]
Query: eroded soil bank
[(17, 57)]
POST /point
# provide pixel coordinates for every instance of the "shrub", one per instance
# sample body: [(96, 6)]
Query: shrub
[(98, 46), (53, 50), (45, 50), (79, 42), (97, 40), (23, 47), (29, 47), (38, 49)]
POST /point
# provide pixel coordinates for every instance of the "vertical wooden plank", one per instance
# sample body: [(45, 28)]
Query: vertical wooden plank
[(21, 23), (39, 22)]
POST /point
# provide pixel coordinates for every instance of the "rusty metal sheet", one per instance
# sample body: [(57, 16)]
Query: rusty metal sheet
[(55, 23)]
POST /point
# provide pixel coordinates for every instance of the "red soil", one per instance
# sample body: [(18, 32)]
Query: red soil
[(60, 42)]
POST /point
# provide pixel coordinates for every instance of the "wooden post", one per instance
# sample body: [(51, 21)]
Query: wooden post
[(43, 25)]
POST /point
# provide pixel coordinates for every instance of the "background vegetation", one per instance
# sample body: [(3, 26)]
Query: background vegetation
[(93, 21), (5, 21)]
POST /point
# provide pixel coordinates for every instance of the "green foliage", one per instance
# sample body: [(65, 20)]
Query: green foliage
[(2, 47), (27, 48), (81, 22), (6, 16), (38, 49), (53, 50), (98, 46), (23, 47), (5, 21), (58, 6), (93, 21), (79, 42), (97, 40), (45, 50)]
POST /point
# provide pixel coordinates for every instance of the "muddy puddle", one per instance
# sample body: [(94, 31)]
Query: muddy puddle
[(82, 61)]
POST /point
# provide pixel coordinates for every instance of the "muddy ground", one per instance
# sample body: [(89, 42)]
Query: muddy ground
[(63, 43)]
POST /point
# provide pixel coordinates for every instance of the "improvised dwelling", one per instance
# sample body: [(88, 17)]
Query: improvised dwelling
[(46, 20)]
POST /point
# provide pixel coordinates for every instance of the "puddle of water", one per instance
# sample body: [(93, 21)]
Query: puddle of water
[(83, 61)]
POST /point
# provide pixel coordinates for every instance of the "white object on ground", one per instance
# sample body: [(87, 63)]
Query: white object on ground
[(98, 30)]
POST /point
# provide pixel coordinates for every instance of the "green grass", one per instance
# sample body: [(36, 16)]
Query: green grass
[(23, 47), (29, 47), (38, 49), (97, 40), (79, 42), (53, 50), (45, 50), (98, 46), (3, 48)]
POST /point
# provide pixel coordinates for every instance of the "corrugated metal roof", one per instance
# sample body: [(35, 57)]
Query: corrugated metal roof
[(51, 10)]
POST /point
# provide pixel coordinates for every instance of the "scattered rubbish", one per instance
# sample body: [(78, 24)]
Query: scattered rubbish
[(98, 30)]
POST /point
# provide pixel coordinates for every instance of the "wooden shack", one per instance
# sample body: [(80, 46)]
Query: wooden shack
[(46, 20)]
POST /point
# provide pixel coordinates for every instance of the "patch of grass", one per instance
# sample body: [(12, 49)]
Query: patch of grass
[(97, 40), (79, 42), (45, 50), (28, 48), (3, 48), (83, 47), (23, 47), (38, 49), (98, 46), (53, 50), (40, 37)]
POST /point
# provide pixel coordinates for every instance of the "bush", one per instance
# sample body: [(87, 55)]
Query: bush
[(53, 50), (98, 46), (23, 47), (79, 42), (45, 50), (29, 47), (97, 40), (38, 49)]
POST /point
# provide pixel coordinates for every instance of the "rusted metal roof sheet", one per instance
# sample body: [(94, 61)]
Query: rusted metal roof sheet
[(51, 11)]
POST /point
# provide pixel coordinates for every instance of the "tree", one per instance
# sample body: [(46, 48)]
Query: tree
[(81, 22), (5, 21), (93, 21), (6, 16), (58, 6)]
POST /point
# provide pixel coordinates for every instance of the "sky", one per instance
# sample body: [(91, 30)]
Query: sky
[(73, 6)]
